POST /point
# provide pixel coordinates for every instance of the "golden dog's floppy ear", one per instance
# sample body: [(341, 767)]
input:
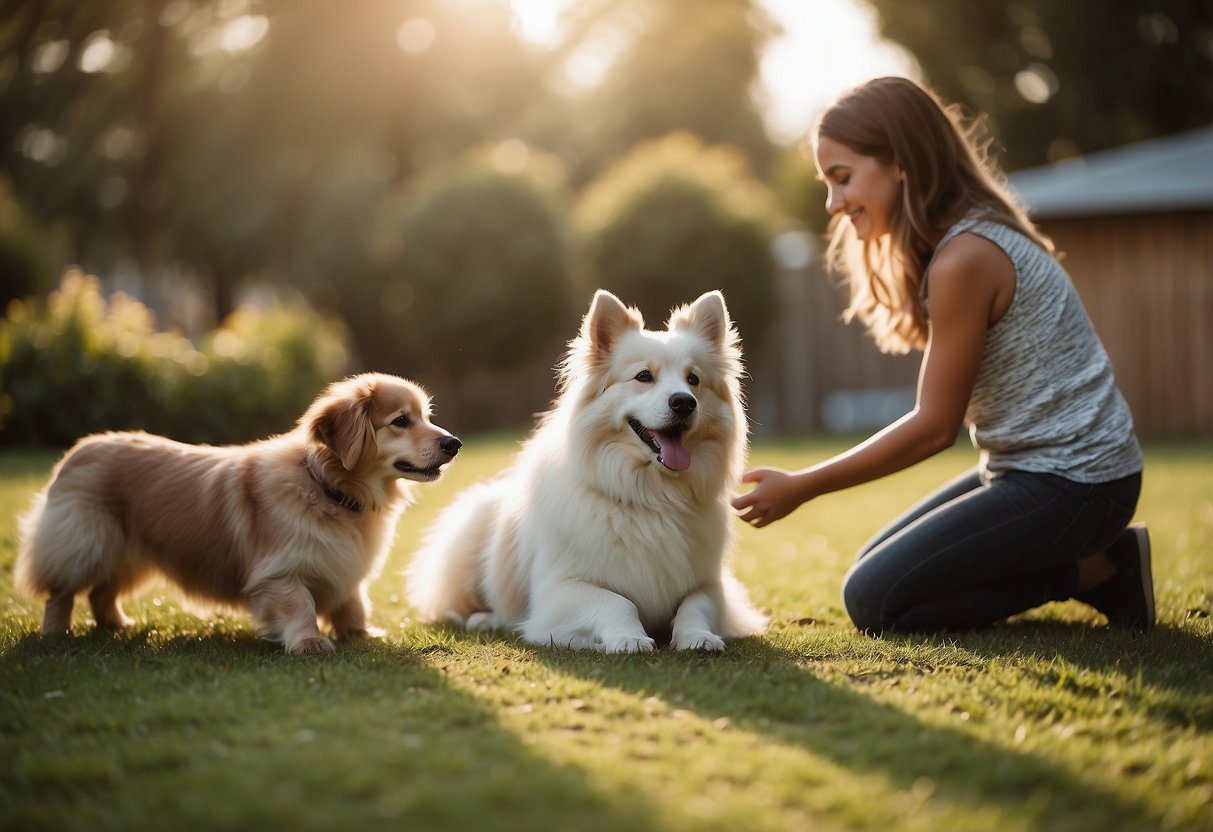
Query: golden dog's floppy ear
[(708, 316), (340, 420), (607, 319)]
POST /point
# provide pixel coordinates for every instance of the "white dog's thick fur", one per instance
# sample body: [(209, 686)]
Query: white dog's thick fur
[(613, 524), (292, 527)]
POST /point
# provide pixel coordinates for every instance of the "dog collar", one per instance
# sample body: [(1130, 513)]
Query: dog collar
[(339, 497)]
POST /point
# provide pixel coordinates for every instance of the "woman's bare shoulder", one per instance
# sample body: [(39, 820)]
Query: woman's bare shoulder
[(968, 251)]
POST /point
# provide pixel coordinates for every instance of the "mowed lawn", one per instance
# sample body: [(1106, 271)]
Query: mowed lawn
[(1051, 721)]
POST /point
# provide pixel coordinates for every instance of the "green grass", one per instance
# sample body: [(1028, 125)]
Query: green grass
[(1049, 722)]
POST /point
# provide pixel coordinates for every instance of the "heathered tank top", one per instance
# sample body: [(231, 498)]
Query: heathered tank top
[(1045, 399)]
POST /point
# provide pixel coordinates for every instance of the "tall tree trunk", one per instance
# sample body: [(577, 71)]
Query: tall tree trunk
[(223, 293), (143, 213), (22, 45)]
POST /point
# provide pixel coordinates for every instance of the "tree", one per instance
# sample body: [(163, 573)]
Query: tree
[(24, 260), (210, 135), (679, 65), (1059, 79), (336, 110), (69, 81), (676, 218), (473, 276), (801, 193)]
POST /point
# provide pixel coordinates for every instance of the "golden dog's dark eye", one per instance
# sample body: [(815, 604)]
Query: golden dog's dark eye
[(644, 375), (692, 379), (402, 421)]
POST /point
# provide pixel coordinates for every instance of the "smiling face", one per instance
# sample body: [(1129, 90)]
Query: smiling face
[(662, 398), (659, 381), (409, 444), (862, 187), (378, 426)]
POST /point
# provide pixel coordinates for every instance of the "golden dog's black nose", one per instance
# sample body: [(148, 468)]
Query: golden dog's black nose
[(682, 404), (449, 445)]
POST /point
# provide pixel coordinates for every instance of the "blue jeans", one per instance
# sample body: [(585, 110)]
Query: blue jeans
[(975, 552)]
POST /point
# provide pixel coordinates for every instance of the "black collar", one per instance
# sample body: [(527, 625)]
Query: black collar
[(339, 497)]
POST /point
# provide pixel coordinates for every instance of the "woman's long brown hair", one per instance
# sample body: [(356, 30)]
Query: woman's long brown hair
[(948, 176)]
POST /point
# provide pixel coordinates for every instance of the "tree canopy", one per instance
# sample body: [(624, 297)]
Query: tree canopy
[(272, 142), (675, 218), (1058, 79)]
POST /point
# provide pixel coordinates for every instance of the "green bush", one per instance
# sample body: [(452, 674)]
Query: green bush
[(24, 261), (80, 363), (259, 371), (474, 270), (674, 219), (801, 194)]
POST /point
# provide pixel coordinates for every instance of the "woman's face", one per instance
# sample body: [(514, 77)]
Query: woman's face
[(862, 187)]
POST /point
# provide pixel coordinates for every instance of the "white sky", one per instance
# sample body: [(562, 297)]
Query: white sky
[(827, 47)]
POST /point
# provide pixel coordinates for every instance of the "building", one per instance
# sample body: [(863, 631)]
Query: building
[(1135, 228)]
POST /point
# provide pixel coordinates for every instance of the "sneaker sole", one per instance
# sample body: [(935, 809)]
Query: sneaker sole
[(1147, 572)]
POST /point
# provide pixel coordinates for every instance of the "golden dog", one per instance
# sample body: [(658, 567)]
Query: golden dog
[(292, 527)]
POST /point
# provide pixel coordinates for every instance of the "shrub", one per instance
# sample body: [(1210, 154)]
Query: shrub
[(801, 194), (476, 271), (81, 363), (258, 372), (674, 219), (24, 260)]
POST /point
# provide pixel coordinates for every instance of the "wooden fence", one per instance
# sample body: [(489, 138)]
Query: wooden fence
[(1147, 284)]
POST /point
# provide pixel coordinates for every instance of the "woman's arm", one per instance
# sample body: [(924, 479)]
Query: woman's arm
[(967, 279)]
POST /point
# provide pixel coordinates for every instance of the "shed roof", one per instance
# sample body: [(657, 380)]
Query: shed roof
[(1172, 173)]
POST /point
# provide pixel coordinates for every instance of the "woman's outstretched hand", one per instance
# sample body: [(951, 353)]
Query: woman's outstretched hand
[(776, 494)]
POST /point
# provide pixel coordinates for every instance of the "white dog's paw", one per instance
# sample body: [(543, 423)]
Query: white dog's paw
[(628, 644), (479, 622), (312, 644), (698, 640)]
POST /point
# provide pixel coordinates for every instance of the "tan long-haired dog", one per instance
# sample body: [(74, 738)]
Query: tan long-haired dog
[(291, 528)]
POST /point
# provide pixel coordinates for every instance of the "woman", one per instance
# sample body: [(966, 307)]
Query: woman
[(940, 258)]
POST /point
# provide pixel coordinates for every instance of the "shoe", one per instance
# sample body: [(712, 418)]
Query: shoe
[(1127, 600)]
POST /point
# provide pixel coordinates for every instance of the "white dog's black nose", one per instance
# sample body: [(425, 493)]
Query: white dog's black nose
[(683, 404), (449, 445)]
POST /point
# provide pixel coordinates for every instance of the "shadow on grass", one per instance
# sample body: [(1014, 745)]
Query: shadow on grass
[(1175, 663), (225, 731), (764, 689)]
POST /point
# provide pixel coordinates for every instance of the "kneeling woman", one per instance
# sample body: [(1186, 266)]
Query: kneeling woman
[(940, 258)]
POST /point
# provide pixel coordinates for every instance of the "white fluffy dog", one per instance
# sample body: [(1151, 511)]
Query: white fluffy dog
[(613, 525)]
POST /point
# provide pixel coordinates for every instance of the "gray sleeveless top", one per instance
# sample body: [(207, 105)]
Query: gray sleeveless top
[(1045, 399)]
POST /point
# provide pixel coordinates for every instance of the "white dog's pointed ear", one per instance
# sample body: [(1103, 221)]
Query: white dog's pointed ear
[(607, 319), (708, 316)]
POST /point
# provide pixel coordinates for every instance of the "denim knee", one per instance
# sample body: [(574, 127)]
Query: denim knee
[(863, 598)]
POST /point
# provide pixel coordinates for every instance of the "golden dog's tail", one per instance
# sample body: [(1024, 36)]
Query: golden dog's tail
[(24, 574), (66, 545)]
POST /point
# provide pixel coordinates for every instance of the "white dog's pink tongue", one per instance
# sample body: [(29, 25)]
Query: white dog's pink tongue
[(674, 454)]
